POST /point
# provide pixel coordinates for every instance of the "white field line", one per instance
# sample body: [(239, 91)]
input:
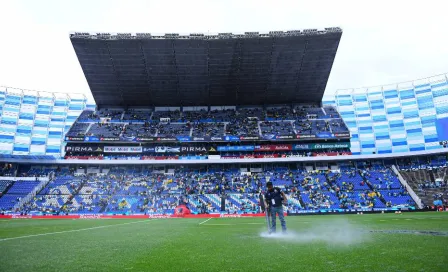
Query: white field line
[(220, 224), (205, 221), (77, 230), (225, 224)]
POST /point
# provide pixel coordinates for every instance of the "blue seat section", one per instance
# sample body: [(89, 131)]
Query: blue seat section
[(138, 190)]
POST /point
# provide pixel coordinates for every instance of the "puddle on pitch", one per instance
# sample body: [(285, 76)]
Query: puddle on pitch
[(414, 232), (338, 232)]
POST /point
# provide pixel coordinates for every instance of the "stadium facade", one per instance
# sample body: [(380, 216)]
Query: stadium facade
[(387, 119), (394, 118), (34, 123), (195, 127)]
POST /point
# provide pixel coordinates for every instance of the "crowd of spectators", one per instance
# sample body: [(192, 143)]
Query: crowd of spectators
[(243, 127), (146, 129), (208, 129), (241, 122), (173, 130), (132, 190), (105, 130), (89, 115), (276, 128), (7, 170), (428, 178), (136, 116), (310, 126), (78, 130), (174, 116)]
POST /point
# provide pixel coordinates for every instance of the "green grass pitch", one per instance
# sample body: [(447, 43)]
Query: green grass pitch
[(378, 242)]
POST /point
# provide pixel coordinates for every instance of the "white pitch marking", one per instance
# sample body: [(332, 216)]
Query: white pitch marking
[(226, 224), (408, 219), (205, 221), (77, 230)]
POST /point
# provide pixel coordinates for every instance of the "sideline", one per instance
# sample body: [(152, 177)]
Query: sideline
[(235, 224), (205, 221), (77, 230)]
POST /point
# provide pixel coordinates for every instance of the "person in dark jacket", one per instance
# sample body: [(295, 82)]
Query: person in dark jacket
[(274, 200)]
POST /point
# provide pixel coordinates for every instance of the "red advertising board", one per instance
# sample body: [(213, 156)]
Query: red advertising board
[(83, 158), (281, 147), (137, 216), (160, 158), (306, 136), (230, 157), (266, 156), (325, 154)]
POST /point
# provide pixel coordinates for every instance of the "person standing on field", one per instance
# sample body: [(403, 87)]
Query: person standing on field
[(274, 200)]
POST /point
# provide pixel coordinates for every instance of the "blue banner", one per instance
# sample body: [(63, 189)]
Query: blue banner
[(442, 129), (91, 139), (149, 149), (236, 148), (325, 134), (301, 147), (192, 157), (231, 138), (183, 138), (128, 139)]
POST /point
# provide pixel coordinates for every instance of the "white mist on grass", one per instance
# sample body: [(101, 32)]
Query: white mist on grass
[(334, 232)]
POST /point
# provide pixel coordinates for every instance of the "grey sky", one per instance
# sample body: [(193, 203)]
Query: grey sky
[(383, 41)]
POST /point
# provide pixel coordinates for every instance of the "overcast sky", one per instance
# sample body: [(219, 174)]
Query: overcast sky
[(383, 41)]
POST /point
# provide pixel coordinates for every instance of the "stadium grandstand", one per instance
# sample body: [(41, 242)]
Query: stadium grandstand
[(204, 121)]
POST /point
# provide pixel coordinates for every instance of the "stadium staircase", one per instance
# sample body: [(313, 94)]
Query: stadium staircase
[(33, 193), (234, 199), (216, 204), (369, 184), (194, 204), (5, 191), (103, 209), (88, 128), (405, 184), (325, 113), (431, 176), (259, 129), (75, 193)]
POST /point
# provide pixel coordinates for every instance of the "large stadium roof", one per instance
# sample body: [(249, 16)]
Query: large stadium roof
[(141, 69)]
